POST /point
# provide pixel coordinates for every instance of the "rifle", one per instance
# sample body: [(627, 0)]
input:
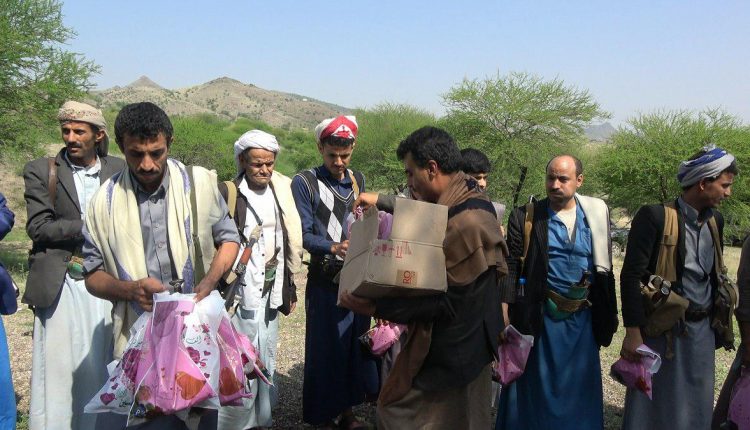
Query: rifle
[(236, 277)]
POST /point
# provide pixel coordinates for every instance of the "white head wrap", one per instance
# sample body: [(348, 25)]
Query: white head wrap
[(82, 112), (708, 165), (254, 139)]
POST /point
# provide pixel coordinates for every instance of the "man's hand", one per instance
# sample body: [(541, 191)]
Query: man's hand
[(340, 248), (632, 341), (365, 200), (356, 304), (292, 307), (203, 289), (143, 292)]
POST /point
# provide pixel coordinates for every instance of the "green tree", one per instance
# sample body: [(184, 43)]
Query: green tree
[(520, 121), (381, 129), (37, 74), (640, 164)]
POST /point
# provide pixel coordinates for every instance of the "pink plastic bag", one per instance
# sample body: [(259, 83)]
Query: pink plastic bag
[(739, 405), (385, 223), (513, 354), (637, 374), (382, 337), (174, 381), (202, 361)]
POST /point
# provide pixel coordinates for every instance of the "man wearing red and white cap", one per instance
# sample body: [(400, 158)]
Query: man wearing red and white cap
[(337, 373)]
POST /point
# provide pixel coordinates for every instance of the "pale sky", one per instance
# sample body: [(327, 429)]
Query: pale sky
[(633, 56)]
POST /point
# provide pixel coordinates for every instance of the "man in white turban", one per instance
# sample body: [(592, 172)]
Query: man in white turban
[(263, 202)]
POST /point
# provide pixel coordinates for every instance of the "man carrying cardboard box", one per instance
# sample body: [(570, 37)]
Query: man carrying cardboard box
[(441, 378)]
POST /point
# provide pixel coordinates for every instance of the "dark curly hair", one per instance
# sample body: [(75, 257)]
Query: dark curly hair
[(339, 142), (475, 161), (143, 120), (431, 143)]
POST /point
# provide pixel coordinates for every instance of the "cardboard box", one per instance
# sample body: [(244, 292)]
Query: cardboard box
[(410, 263)]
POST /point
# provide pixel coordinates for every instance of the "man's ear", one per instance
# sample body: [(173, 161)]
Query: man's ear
[(432, 168), (579, 180), (100, 136)]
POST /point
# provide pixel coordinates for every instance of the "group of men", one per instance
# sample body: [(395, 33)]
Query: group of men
[(107, 234)]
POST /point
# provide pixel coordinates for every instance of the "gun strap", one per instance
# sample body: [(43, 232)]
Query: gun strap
[(528, 223), (52, 181), (199, 270)]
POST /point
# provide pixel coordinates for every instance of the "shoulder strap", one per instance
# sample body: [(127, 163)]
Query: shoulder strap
[(472, 203), (528, 223), (719, 263), (355, 183), (666, 264), (199, 272), (52, 181), (231, 197)]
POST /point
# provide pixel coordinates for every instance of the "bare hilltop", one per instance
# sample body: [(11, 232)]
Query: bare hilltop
[(225, 97)]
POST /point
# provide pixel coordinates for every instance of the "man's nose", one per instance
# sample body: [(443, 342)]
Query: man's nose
[(147, 164)]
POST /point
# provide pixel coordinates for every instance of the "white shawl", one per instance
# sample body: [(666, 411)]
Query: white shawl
[(113, 222)]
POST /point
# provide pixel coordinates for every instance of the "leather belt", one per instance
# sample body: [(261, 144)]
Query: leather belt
[(565, 304)]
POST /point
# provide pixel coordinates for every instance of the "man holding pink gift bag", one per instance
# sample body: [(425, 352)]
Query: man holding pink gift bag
[(153, 223)]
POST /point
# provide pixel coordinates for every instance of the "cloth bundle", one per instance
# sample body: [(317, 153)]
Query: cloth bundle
[(638, 374), (182, 355), (512, 355), (739, 405)]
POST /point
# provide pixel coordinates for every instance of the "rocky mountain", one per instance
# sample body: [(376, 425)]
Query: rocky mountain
[(599, 132), (225, 97)]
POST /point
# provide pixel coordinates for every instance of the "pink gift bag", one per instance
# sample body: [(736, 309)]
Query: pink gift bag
[(739, 405), (637, 374), (174, 381), (512, 355), (382, 337)]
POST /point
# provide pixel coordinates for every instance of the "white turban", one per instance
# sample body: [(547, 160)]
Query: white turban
[(254, 139), (709, 165), (344, 126)]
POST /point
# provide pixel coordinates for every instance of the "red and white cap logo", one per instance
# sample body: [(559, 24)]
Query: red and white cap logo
[(344, 126)]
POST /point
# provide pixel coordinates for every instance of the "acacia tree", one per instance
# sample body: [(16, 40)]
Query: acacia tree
[(520, 121), (640, 164), (381, 129), (36, 73)]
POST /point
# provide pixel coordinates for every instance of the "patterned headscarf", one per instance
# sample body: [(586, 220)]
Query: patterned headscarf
[(342, 126), (708, 165), (82, 112)]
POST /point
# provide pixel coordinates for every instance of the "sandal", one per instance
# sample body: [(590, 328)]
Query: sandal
[(351, 423)]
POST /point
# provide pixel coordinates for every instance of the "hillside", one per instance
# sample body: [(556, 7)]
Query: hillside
[(225, 97)]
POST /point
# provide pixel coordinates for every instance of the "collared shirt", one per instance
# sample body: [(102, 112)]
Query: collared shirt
[(272, 236), (313, 230), (152, 208), (569, 254), (86, 180), (699, 257)]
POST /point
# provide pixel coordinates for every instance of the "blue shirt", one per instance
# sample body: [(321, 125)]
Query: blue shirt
[(313, 231), (568, 259)]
